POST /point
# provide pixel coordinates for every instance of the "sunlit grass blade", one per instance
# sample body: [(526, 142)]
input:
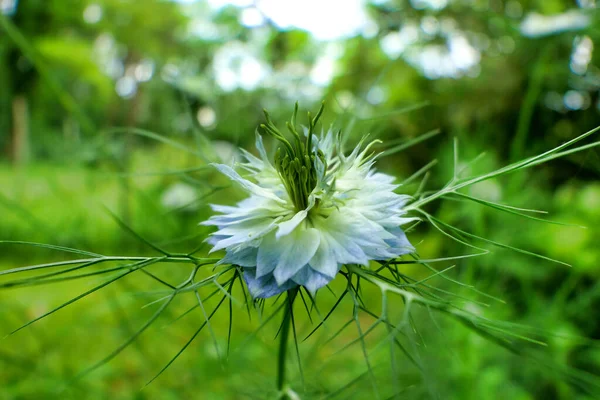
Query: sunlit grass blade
[(419, 172), (157, 279), (566, 153), (410, 143), (399, 111), (493, 242), (48, 278), (339, 331), (439, 259), (125, 344), (133, 268), (347, 386), (435, 224), (295, 337), (511, 210), (520, 165), (468, 287), (187, 344), (363, 345), (51, 247), (337, 303), (393, 332), (263, 324), (158, 138), (182, 171), (209, 326), (127, 228)]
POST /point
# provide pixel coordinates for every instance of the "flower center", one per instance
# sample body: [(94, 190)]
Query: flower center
[(296, 161)]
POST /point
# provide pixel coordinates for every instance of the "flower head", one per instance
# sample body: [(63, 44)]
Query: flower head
[(309, 213)]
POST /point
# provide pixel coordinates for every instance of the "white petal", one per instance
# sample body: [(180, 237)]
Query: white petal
[(261, 148), (325, 260), (286, 227), (223, 209), (407, 220), (214, 239), (286, 255), (254, 163), (293, 252), (251, 187), (244, 233), (341, 240)]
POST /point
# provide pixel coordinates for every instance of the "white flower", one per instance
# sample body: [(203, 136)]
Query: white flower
[(308, 214)]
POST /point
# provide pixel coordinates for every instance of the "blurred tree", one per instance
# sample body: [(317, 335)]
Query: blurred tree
[(103, 44)]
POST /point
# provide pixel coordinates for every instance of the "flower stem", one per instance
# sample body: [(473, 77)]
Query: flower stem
[(283, 339)]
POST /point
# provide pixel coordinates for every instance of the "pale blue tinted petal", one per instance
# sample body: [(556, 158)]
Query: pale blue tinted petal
[(311, 279), (268, 256), (325, 259), (244, 258), (265, 286), (344, 239), (295, 250), (286, 255), (214, 239), (400, 244)]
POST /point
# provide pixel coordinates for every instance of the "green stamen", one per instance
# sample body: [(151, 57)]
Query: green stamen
[(296, 162)]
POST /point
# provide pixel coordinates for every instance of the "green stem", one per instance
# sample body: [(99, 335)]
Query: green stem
[(283, 339)]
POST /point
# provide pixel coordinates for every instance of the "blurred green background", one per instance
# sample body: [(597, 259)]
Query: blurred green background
[(86, 87)]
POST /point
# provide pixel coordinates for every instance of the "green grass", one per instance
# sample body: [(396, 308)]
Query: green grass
[(66, 206)]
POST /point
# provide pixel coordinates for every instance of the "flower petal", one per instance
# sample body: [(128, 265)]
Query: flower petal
[(243, 233), (265, 286), (286, 255), (325, 259), (311, 279), (343, 239), (246, 184), (244, 258), (356, 220), (261, 148), (400, 244), (286, 227)]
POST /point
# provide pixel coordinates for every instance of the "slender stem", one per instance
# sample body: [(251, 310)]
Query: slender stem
[(283, 339)]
